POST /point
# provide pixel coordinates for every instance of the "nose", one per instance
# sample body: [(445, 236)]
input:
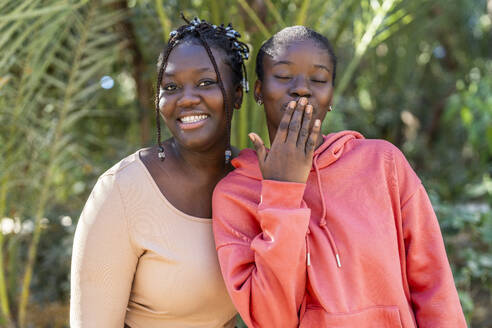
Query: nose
[(188, 98), (300, 88)]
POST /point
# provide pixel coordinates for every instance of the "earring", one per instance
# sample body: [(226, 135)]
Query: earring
[(259, 102), (228, 154), (330, 108), (161, 153)]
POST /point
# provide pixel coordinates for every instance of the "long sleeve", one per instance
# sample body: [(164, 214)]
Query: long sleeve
[(434, 297), (433, 294), (103, 260), (262, 250)]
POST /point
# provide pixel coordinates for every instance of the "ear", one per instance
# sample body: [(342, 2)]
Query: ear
[(257, 92), (238, 96), (332, 92)]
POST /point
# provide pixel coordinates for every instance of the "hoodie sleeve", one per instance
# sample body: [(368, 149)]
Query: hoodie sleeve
[(262, 250), (433, 294)]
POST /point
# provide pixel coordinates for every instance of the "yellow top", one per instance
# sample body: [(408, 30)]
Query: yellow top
[(139, 261)]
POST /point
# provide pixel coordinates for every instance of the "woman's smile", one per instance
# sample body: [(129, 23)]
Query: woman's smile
[(191, 101), (192, 120)]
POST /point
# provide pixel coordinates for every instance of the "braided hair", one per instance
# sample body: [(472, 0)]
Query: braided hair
[(219, 37), (293, 34)]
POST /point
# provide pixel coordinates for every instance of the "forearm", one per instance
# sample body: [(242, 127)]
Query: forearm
[(266, 275)]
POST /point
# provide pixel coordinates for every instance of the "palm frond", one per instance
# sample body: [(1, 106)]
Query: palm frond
[(69, 46)]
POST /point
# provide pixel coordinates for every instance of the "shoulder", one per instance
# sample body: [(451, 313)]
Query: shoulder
[(378, 146), (397, 166), (127, 171), (378, 149), (387, 149), (111, 184), (236, 184), (107, 201), (245, 177), (241, 187), (124, 167), (104, 216)]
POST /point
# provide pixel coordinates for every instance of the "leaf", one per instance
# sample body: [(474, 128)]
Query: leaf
[(251, 13), (302, 15), (38, 12), (275, 13)]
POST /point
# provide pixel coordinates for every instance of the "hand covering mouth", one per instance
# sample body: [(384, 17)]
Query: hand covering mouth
[(284, 106)]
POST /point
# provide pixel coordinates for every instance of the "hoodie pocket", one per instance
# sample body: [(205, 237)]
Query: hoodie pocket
[(373, 317)]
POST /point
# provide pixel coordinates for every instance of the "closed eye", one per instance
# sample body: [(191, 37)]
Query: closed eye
[(319, 81), (282, 77)]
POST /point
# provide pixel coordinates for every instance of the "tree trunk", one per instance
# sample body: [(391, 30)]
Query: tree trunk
[(143, 85)]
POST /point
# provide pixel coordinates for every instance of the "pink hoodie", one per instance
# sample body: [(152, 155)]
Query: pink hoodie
[(358, 245)]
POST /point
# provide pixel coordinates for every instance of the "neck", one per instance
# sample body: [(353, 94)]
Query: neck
[(209, 162)]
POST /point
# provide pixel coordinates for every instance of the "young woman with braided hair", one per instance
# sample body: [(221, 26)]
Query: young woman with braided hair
[(144, 253)]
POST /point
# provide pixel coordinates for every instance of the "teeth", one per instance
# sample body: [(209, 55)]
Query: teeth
[(193, 118)]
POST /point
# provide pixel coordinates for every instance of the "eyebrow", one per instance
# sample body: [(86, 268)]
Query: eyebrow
[(286, 62), (282, 62), (323, 67), (199, 70)]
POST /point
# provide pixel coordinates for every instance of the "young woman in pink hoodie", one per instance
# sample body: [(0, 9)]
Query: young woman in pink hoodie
[(326, 231)]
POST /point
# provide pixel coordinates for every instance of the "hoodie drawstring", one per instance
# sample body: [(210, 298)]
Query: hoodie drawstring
[(308, 254), (322, 223)]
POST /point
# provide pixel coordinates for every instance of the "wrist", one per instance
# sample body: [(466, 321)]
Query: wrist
[(282, 193), (291, 179)]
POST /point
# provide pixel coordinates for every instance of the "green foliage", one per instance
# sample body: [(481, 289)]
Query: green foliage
[(51, 57), (467, 229), (404, 76), (467, 223)]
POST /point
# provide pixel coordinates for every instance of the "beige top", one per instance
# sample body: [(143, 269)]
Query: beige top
[(139, 261)]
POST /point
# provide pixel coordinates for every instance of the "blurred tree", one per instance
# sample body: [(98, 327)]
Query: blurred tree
[(76, 94), (51, 62)]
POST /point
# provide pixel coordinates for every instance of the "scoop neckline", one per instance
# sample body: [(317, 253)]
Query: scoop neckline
[(164, 199)]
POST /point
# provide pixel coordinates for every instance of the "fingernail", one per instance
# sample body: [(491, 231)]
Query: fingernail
[(292, 104), (303, 101), (317, 123), (309, 108), (251, 137)]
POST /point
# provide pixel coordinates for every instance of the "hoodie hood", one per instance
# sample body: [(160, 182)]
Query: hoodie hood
[(330, 150)]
